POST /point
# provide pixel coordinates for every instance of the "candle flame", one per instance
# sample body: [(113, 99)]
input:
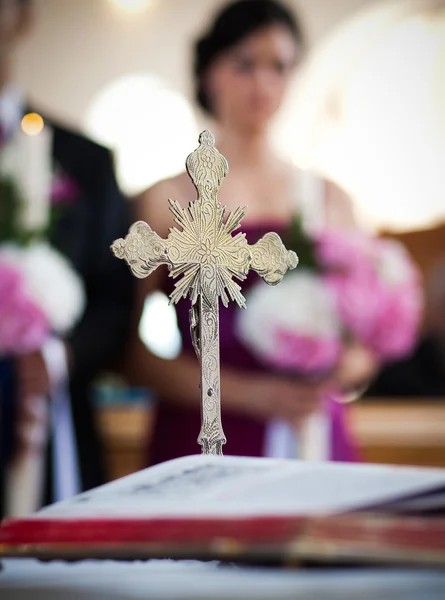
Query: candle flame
[(32, 124)]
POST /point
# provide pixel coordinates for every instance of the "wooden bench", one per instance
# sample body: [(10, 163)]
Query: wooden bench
[(387, 431)]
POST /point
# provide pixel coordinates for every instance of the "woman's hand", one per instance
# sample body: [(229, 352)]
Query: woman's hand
[(357, 367), (32, 375), (32, 414), (268, 397)]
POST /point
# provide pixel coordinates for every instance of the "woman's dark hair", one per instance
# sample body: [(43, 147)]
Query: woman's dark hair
[(234, 23)]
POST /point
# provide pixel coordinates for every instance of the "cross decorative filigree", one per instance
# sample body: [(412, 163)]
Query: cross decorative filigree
[(208, 257)]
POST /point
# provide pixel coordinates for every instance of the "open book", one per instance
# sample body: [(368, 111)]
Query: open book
[(246, 509)]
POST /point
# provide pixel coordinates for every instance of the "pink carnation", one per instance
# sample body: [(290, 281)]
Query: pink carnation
[(10, 284), (303, 353), (395, 265), (385, 318), (359, 298), (23, 327), (64, 190), (368, 289), (343, 251), (397, 325)]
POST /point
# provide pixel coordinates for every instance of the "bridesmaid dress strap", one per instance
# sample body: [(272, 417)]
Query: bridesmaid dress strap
[(310, 199)]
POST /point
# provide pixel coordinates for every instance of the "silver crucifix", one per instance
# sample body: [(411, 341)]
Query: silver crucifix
[(207, 255)]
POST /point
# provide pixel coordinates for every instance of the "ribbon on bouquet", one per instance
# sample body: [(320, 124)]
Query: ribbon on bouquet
[(26, 476), (315, 435), (308, 442), (65, 463)]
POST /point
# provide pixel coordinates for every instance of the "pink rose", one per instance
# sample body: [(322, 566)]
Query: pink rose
[(384, 318), (358, 297), (394, 264), (304, 354), (10, 283), (23, 326), (397, 325), (344, 251)]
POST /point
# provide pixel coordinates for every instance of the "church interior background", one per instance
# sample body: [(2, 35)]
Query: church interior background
[(125, 82)]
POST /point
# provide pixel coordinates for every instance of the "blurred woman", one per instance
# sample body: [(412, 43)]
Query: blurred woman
[(243, 67)]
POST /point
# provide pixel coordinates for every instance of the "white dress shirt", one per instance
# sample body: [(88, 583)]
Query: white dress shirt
[(11, 108)]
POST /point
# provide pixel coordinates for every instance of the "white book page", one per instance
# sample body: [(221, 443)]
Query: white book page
[(210, 486)]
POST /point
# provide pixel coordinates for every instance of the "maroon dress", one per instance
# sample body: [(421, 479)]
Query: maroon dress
[(176, 428)]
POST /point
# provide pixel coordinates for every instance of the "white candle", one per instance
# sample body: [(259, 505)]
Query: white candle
[(34, 177)]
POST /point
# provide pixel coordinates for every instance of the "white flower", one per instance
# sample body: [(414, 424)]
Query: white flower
[(301, 304), (51, 282), (394, 265)]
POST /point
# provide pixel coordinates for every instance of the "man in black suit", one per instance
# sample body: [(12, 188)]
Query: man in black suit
[(95, 217)]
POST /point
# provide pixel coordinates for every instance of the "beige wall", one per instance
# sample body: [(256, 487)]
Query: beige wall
[(80, 45)]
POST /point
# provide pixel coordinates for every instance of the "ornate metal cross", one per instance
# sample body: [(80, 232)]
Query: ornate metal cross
[(208, 257)]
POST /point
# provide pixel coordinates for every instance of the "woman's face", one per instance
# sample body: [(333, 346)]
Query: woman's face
[(246, 85)]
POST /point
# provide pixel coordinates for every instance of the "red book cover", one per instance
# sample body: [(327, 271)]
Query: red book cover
[(246, 509)]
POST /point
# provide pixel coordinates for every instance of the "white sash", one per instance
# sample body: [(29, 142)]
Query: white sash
[(64, 459)]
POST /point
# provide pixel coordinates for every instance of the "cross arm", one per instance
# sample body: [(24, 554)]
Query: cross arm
[(142, 249), (271, 259)]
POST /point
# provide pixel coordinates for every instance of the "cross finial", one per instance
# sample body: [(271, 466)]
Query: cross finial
[(207, 257), (206, 166)]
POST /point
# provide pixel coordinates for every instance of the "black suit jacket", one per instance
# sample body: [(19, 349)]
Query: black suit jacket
[(421, 374), (84, 232)]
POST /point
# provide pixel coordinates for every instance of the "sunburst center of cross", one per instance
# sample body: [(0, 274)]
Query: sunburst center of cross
[(208, 253)]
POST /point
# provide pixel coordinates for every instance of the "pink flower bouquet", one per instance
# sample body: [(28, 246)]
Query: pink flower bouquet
[(347, 287), (23, 326), (377, 288)]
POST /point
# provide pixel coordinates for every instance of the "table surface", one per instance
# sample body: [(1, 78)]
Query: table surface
[(192, 580)]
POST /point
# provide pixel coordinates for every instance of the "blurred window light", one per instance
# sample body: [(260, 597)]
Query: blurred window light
[(132, 6), (150, 126), (158, 327), (369, 114), (392, 117)]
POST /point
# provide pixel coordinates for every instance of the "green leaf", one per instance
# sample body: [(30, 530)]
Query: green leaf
[(11, 204), (298, 240)]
